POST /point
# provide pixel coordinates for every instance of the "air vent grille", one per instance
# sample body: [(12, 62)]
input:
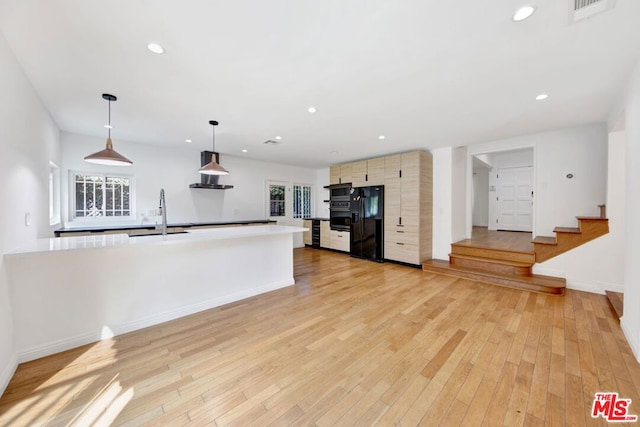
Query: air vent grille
[(583, 9), (579, 4)]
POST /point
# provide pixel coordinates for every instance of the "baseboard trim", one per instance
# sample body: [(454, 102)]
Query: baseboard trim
[(7, 374), (632, 342), (58, 346), (584, 287), (611, 286)]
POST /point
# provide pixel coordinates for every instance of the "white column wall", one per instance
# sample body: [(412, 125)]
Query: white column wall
[(630, 322), (29, 139), (442, 196)]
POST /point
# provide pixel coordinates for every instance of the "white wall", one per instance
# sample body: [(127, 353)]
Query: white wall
[(480, 197), (174, 169), (581, 151), (442, 190), (630, 322), (460, 200), (599, 265), (29, 139)]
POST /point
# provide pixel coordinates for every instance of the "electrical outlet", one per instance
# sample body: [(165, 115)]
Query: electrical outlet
[(27, 219)]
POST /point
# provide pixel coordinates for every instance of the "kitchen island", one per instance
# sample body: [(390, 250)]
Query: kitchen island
[(70, 291)]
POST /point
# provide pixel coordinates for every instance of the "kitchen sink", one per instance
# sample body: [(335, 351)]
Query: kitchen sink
[(154, 233)]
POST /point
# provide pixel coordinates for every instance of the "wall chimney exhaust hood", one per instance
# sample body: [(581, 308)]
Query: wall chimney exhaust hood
[(209, 181)]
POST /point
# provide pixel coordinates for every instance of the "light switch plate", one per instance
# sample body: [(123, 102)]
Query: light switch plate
[(27, 219)]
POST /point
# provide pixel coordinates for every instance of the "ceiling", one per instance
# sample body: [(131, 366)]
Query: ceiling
[(424, 73)]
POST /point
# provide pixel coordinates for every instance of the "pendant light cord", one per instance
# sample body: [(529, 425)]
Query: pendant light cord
[(109, 128)]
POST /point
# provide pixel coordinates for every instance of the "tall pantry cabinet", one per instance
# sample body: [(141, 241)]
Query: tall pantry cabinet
[(408, 207)]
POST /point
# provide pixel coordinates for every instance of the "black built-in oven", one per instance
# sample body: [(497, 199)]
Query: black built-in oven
[(340, 215)]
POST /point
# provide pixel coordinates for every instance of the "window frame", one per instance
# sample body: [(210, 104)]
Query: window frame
[(293, 197), (72, 197)]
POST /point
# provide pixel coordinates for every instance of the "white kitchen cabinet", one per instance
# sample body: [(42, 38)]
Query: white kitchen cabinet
[(340, 240)]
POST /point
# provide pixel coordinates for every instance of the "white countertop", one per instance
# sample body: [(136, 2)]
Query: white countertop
[(57, 244)]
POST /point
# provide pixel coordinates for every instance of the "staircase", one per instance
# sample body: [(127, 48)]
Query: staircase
[(568, 238), (513, 268)]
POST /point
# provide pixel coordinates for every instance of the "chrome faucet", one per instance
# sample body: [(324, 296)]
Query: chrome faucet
[(163, 210)]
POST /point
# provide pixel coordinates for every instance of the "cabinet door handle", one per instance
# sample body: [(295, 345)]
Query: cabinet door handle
[(399, 231), (399, 225), (397, 243)]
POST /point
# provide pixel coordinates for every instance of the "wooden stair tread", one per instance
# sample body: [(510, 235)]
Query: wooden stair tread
[(617, 301), (492, 260), (489, 248), (591, 218), (486, 252), (566, 230), (536, 283), (545, 240)]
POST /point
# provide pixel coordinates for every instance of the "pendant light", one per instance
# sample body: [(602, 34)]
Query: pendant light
[(213, 168), (108, 156)]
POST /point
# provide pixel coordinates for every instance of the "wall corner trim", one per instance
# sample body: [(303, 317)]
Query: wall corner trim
[(7, 373)]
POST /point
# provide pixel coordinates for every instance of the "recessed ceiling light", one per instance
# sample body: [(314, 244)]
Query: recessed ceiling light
[(542, 97), (155, 48), (312, 109), (187, 140), (381, 137), (278, 138), (523, 13), (244, 150), (108, 126)]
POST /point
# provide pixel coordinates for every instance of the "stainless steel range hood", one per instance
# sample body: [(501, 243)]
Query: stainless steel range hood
[(209, 181)]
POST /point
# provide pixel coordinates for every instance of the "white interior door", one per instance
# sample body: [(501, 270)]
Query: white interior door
[(515, 198)]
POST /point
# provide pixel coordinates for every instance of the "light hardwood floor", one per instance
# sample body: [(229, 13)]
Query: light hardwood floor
[(352, 343), (509, 240)]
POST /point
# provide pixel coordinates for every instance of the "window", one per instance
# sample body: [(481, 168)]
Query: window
[(101, 196), (301, 201), (54, 194), (276, 200)]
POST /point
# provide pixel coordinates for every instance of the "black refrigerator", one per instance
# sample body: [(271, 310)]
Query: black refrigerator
[(367, 224)]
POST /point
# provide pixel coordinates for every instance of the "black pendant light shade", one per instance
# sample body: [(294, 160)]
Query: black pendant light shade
[(213, 168), (108, 156)]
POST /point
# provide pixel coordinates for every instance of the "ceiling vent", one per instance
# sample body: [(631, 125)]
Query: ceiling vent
[(271, 142), (584, 9)]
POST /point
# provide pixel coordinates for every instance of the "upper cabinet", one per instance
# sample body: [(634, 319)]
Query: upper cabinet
[(360, 174), (341, 174), (334, 175), (375, 171), (346, 173)]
